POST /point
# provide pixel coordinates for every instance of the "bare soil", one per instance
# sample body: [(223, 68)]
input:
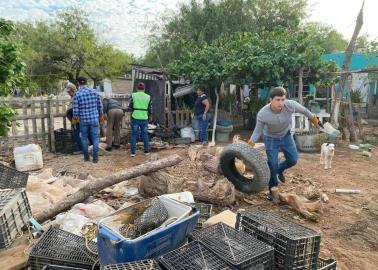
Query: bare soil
[(349, 225)]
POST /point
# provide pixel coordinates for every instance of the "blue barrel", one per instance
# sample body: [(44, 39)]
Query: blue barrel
[(112, 248)]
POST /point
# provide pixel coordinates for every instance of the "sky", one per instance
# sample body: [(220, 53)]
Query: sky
[(126, 23)]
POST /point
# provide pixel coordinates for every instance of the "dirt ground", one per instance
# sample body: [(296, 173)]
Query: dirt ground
[(349, 225)]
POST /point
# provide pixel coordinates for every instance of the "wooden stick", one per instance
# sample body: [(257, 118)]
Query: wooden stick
[(105, 182)]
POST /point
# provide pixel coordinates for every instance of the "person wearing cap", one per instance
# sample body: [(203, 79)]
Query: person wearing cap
[(140, 108), (274, 124), (71, 91), (114, 113), (202, 107), (87, 109)]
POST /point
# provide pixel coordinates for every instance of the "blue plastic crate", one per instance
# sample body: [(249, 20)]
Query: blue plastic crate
[(113, 248)]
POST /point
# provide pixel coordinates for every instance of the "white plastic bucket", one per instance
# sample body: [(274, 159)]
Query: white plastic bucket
[(28, 157)]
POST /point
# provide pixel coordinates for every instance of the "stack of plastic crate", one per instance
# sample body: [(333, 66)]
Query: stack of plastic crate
[(296, 247), (64, 142), (58, 247), (239, 249), (14, 214)]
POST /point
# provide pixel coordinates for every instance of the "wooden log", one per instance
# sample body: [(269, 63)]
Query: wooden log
[(105, 182)]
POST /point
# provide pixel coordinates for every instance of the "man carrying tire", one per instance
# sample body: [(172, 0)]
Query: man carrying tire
[(274, 123)]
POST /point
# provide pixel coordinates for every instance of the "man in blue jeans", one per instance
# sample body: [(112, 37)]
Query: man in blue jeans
[(274, 122), (140, 107), (87, 110)]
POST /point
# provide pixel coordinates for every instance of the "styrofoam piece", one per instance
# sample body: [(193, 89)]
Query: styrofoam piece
[(186, 196)]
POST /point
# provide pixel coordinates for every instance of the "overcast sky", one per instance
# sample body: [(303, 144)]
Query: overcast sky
[(124, 22)]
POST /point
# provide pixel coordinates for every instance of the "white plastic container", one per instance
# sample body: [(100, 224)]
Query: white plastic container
[(329, 129), (28, 157), (188, 132)]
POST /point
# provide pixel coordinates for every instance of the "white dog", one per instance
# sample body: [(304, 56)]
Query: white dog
[(326, 155)]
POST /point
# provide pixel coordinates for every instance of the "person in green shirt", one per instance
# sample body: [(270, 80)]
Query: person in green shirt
[(140, 108)]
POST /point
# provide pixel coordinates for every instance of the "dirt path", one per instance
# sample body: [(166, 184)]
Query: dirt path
[(349, 226)]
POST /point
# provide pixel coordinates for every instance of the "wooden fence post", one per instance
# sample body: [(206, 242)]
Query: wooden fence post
[(50, 124)]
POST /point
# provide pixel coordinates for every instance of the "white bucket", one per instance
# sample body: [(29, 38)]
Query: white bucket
[(329, 129), (28, 157)]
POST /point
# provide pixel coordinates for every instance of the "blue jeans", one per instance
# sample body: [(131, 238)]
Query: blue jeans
[(135, 125), (273, 146), (203, 126), (76, 136), (90, 130)]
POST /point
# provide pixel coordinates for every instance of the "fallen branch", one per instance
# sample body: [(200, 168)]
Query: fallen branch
[(110, 180), (298, 204)]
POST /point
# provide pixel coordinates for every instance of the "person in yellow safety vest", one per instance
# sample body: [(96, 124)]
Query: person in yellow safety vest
[(140, 108)]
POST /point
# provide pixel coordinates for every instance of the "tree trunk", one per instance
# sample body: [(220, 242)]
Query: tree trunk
[(344, 76), (105, 182), (215, 117), (300, 85)]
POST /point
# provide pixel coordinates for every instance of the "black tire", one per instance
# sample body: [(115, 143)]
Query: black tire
[(252, 159)]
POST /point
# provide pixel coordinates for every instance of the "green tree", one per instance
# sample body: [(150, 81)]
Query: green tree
[(11, 72), (206, 22), (67, 48), (329, 38)]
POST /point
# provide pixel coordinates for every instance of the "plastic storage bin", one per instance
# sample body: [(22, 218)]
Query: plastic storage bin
[(114, 248), (14, 214), (296, 247), (11, 178), (58, 247), (139, 265), (193, 256), (28, 157), (239, 249)]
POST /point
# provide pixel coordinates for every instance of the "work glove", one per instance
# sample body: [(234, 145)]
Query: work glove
[(75, 121), (102, 118), (251, 143), (204, 117), (315, 122)]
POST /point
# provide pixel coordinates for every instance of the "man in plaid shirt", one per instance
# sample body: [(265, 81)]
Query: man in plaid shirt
[(87, 110)]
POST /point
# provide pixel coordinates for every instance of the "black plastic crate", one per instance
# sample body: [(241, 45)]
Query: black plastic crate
[(138, 265), (11, 178), (58, 247), (296, 247), (238, 248), (59, 267), (326, 264), (193, 256), (205, 210), (15, 212), (64, 142)]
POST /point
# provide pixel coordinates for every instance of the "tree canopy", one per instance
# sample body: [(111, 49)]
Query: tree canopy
[(204, 22), (11, 71), (66, 48)]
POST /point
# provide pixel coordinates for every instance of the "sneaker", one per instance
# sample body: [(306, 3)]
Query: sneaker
[(86, 159), (281, 177), (108, 148), (132, 155), (269, 197), (95, 161), (146, 153)]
